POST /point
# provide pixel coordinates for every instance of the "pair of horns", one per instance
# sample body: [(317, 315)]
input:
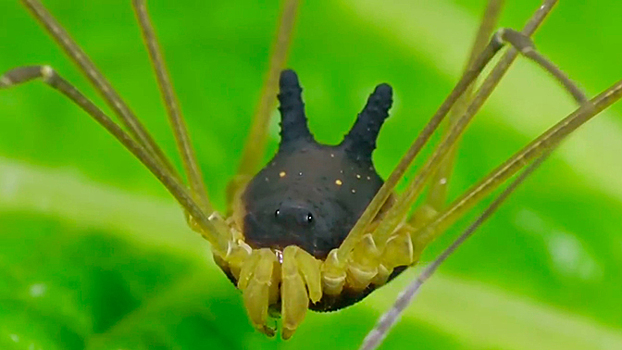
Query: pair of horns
[(360, 141)]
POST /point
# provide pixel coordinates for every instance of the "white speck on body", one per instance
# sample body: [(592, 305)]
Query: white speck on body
[(443, 181), (14, 337), (338, 182)]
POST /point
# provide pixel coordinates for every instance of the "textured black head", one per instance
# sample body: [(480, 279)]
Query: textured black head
[(310, 195)]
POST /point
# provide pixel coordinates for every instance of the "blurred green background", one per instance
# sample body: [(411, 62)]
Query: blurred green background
[(95, 254)]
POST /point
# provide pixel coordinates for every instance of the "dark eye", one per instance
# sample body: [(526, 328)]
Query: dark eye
[(277, 213), (309, 218)]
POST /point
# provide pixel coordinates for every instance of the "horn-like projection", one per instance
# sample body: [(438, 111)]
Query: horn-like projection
[(360, 142), (293, 120)]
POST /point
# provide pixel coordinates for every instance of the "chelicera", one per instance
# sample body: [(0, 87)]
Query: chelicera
[(317, 228)]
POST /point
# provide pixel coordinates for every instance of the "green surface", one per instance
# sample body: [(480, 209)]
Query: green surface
[(94, 253)]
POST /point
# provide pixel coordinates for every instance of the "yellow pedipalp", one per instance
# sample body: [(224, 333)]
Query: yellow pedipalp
[(256, 283), (309, 268), (398, 250), (333, 274), (382, 276), (294, 297), (363, 263), (248, 268), (237, 255)]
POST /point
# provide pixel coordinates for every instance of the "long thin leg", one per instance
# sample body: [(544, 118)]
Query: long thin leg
[(400, 210), (387, 188), (537, 147), (121, 109), (438, 190), (439, 184), (256, 142), (525, 46), (176, 119), (437, 194), (212, 230), (375, 337)]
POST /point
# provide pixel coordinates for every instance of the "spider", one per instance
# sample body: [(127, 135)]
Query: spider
[(274, 272)]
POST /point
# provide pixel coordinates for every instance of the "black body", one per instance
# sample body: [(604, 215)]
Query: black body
[(310, 195)]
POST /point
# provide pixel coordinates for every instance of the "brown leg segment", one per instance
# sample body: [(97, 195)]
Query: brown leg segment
[(255, 145), (176, 119)]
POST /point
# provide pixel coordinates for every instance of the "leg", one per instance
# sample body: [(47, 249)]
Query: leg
[(184, 146), (400, 210), (212, 228), (550, 139), (524, 45), (259, 287), (127, 117), (388, 319), (397, 213), (536, 153), (295, 273), (440, 182), (256, 142), (300, 283)]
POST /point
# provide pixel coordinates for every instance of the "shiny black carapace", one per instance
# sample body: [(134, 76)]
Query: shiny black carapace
[(311, 194)]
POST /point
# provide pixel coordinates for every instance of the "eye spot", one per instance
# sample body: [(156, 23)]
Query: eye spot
[(277, 213), (309, 218), (282, 174), (338, 182)]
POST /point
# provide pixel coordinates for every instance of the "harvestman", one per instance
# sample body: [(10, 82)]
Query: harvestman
[(300, 236)]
